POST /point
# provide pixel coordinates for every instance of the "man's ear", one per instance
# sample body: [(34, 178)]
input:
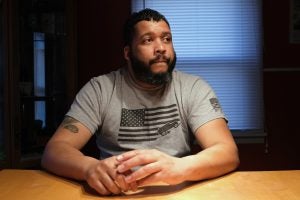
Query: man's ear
[(126, 52)]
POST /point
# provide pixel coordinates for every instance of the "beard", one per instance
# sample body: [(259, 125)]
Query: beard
[(143, 72)]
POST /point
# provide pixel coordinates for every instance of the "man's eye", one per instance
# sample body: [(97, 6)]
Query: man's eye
[(147, 40), (167, 39)]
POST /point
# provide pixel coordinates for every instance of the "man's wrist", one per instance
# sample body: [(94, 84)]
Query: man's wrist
[(190, 169), (88, 163)]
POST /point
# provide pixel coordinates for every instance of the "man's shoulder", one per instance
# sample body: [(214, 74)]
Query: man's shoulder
[(188, 81), (110, 76), (185, 77)]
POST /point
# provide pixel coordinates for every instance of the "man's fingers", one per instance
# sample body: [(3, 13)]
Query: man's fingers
[(108, 182), (133, 186), (134, 159), (142, 172), (120, 181), (126, 155), (99, 187), (149, 180)]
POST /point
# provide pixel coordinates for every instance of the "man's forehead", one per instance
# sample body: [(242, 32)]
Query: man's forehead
[(142, 27)]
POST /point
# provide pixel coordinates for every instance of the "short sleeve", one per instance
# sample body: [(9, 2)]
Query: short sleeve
[(203, 105), (86, 106)]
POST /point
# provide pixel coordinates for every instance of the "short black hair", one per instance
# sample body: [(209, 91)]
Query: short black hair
[(146, 14)]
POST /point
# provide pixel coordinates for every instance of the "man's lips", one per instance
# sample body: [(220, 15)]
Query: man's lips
[(161, 60)]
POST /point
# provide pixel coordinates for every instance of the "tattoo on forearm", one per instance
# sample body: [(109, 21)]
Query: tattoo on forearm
[(69, 123)]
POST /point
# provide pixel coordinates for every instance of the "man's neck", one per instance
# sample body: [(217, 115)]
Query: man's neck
[(141, 84)]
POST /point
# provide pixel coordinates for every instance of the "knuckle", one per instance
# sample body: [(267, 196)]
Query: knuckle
[(91, 175), (104, 191), (125, 165), (140, 159), (103, 163), (92, 182), (113, 188), (99, 188), (98, 168), (116, 191), (147, 169)]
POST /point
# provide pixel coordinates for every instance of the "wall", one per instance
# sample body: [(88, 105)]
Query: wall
[(281, 85), (100, 43), (278, 51)]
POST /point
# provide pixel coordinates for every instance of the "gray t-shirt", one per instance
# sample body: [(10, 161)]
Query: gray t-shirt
[(127, 117)]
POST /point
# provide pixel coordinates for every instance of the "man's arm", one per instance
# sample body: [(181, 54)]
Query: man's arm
[(62, 156), (219, 156), (62, 151)]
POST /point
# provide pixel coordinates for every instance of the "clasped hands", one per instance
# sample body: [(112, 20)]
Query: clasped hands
[(134, 169)]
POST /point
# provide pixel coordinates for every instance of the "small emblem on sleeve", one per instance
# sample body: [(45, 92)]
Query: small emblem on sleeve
[(215, 104)]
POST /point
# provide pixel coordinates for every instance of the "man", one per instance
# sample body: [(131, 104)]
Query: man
[(148, 116)]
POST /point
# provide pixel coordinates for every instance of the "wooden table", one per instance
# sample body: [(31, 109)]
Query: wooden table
[(40, 185)]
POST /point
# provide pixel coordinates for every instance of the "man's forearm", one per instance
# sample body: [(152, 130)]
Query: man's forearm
[(210, 163), (64, 160)]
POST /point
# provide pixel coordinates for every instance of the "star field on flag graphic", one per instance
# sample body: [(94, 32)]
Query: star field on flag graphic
[(132, 118)]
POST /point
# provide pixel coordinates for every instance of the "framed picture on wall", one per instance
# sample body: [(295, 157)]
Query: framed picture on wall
[(295, 21)]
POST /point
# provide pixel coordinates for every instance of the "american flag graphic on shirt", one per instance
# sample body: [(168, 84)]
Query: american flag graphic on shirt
[(147, 124)]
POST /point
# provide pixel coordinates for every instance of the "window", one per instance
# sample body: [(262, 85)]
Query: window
[(220, 41), (39, 75)]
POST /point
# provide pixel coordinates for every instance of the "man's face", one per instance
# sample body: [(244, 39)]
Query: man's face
[(151, 53)]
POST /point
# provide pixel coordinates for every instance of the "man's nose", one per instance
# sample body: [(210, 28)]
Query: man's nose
[(160, 47)]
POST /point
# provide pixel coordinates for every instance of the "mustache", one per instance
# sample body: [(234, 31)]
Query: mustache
[(160, 58)]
